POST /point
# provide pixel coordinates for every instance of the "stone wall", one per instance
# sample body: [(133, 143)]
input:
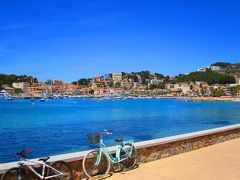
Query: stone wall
[(161, 151), (165, 147)]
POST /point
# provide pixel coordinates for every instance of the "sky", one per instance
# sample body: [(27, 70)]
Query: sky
[(68, 40)]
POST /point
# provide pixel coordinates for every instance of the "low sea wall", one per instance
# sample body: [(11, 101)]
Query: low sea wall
[(155, 149)]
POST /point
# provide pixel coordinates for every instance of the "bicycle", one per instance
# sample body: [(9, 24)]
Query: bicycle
[(96, 164), (41, 169)]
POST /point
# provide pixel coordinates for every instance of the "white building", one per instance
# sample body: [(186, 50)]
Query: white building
[(155, 81), (20, 85), (238, 81), (116, 77), (215, 68), (184, 87), (203, 69)]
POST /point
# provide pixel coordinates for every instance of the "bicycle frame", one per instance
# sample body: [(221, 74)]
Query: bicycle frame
[(117, 159), (44, 166)]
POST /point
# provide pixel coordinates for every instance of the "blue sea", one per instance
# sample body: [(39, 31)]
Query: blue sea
[(61, 125)]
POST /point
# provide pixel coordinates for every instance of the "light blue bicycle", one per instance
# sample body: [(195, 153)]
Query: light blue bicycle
[(97, 163)]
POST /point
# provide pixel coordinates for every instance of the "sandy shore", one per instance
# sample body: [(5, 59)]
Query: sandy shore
[(217, 162)]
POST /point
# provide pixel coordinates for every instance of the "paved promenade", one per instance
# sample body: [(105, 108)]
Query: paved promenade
[(217, 162)]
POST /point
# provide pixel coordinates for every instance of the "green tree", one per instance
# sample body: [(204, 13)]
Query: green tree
[(9, 79), (235, 90), (117, 85), (159, 76), (18, 91), (209, 77), (152, 86), (203, 91), (161, 85), (144, 76), (191, 86), (91, 91), (166, 79), (83, 82), (216, 92), (221, 64)]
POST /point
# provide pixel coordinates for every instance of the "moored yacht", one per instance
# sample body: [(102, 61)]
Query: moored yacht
[(42, 99), (32, 99), (2, 94)]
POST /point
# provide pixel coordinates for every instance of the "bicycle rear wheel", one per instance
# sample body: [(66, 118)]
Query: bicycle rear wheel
[(131, 160), (15, 174), (93, 169), (64, 168)]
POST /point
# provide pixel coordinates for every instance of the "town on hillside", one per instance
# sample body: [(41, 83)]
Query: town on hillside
[(219, 79)]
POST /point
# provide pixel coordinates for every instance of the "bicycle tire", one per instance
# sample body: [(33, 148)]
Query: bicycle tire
[(14, 174), (64, 168), (131, 161), (96, 171)]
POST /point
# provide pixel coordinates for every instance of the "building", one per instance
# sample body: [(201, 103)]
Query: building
[(49, 82), (126, 84), (58, 83), (20, 85), (203, 69), (156, 81), (117, 77), (216, 68), (169, 86), (183, 87), (9, 90), (238, 80), (136, 84), (97, 79), (107, 77)]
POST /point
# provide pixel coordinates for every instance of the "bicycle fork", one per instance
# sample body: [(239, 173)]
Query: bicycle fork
[(20, 171)]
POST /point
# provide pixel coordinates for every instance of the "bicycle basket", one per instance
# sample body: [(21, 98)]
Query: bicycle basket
[(93, 138)]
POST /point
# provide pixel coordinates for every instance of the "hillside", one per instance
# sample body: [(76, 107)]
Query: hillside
[(229, 68), (9, 79), (210, 77)]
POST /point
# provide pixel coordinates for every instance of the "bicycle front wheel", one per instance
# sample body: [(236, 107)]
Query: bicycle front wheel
[(96, 165), (64, 168), (14, 174)]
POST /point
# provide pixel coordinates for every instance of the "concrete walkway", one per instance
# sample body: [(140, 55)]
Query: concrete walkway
[(217, 162)]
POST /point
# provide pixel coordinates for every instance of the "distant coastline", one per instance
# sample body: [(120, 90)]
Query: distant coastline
[(218, 80), (124, 97), (210, 99)]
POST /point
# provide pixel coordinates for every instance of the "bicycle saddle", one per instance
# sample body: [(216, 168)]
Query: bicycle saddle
[(118, 140), (44, 159)]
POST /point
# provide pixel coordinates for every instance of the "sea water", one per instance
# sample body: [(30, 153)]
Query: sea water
[(61, 126)]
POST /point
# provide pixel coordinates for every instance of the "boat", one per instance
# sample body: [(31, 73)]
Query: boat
[(32, 99), (9, 98), (42, 100), (3, 94)]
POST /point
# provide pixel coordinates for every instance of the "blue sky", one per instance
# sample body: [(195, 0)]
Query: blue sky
[(72, 39)]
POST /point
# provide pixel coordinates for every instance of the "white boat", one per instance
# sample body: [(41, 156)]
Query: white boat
[(3, 94), (42, 99)]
